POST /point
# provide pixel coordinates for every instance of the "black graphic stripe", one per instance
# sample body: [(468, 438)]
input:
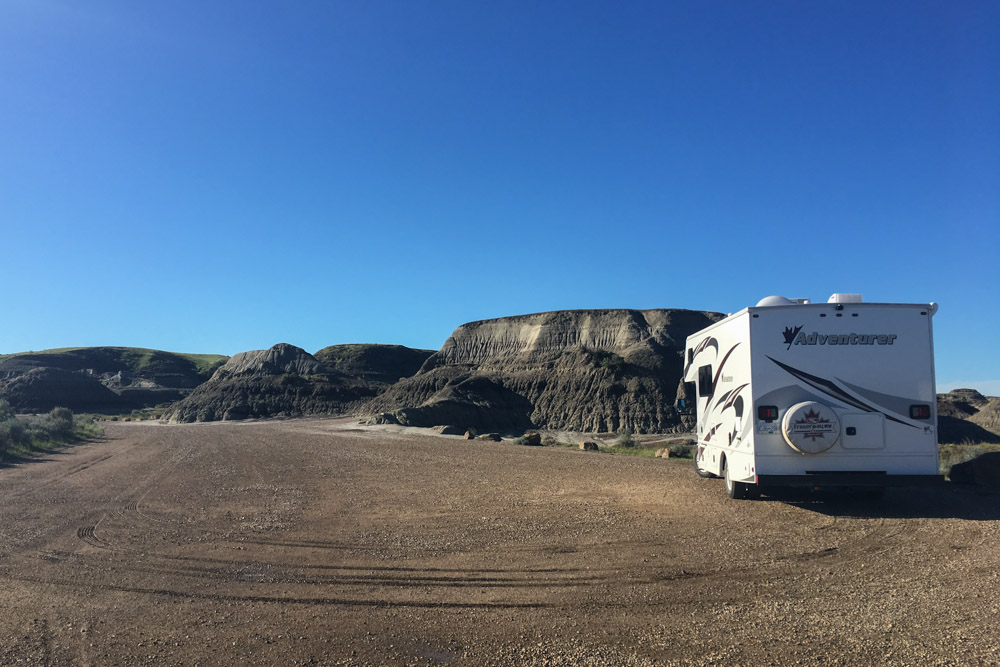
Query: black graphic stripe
[(832, 390)]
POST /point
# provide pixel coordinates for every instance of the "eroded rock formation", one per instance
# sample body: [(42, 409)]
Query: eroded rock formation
[(591, 370), (287, 381)]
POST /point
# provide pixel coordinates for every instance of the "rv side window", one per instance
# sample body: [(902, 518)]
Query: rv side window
[(705, 381)]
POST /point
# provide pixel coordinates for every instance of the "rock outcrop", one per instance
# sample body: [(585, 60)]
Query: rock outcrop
[(965, 415), (590, 370), (41, 389), (287, 381), (282, 381), (960, 403), (988, 416), (277, 360)]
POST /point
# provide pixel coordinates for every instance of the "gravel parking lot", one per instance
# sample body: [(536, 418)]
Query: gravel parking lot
[(324, 542)]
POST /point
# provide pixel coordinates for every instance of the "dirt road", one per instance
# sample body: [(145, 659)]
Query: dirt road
[(317, 542)]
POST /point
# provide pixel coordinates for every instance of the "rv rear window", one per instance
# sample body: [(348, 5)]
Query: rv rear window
[(705, 381)]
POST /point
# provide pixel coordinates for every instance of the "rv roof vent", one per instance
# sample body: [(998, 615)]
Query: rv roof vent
[(780, 301), (844, 298)]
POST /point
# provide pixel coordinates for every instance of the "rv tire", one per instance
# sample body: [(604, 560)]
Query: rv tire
[(738, 490)]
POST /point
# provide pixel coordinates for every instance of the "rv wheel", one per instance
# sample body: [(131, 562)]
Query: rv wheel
[(701, 473), (738, 490)]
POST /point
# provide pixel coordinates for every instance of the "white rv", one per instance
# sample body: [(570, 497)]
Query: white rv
[(836, 394)]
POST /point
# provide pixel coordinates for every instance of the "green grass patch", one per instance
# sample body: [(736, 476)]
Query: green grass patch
[(631, 450), (205, 363)]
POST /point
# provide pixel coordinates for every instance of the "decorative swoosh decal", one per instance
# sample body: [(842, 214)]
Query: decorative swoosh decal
[(833, 391), (718, 371), (702, 346), (711, 434), (729, 399)]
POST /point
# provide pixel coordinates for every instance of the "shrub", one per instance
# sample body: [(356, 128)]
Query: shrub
[(625, 440), (292, 380), (680, 451), (6, 412), (521, 440), (60, 422), (21, 435), (607, 360), (12, 434)]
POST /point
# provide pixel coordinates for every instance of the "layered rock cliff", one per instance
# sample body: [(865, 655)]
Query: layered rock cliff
[(589, 370)]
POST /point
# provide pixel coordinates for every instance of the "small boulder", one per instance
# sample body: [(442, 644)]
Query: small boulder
[(491, 437), (663, 453), (469, 435), (533, 438), (589, 446), (450, 430), (983, 470), (383, 418)]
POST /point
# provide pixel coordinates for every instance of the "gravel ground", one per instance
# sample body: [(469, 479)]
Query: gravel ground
[(324, 542)]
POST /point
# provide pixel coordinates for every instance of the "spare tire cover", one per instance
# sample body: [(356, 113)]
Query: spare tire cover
[(810, 427)]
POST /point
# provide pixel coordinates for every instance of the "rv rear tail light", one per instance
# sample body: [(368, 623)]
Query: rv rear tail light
[(767, 413), (920, 412)]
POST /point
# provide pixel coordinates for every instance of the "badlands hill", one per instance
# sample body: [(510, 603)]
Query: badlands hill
[(965, 415), (379, 364), (593, 370), (582, 370), (287, 381), (101, 379)]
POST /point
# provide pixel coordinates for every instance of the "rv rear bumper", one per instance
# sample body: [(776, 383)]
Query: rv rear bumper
[(849, 479)]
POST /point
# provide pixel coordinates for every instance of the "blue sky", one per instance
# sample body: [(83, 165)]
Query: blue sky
[(222, 176)]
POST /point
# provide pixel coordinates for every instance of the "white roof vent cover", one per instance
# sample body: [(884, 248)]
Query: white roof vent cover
[(844, 298)]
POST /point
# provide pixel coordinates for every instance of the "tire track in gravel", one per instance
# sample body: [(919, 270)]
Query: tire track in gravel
[(283, 600), (124, 514)]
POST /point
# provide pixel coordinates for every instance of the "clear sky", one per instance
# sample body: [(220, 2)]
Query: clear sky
[(222, 176)]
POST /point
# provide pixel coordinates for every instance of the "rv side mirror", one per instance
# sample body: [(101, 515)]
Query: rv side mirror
[(684, 405)]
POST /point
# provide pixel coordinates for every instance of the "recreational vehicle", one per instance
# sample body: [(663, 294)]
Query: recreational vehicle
[(836, 394)]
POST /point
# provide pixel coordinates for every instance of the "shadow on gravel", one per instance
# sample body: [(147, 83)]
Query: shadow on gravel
[(949, 501), (45, 454)]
